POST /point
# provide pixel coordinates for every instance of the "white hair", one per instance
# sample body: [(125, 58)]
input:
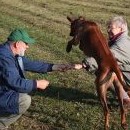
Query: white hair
[(119, 21)]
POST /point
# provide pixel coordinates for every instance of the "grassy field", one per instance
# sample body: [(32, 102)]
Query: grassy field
[(70, 102)]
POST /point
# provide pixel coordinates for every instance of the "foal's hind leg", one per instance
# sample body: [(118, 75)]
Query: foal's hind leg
[(102, 92), (118, 88), (102, 88)]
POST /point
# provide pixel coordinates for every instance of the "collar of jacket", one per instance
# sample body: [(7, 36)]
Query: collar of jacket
[(7, 46), (116, 37)]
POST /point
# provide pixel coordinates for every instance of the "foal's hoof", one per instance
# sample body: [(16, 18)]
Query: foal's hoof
[(125, 126), (107, 127)]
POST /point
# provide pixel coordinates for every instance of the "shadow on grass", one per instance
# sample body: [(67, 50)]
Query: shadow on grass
[(75, 95), (69, 94)]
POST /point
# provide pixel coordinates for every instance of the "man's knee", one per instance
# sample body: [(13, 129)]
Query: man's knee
[(24, 102)]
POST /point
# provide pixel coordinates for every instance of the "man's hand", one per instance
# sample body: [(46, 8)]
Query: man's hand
[(65, 67), (78, 66), (42, 84), (61, 67)]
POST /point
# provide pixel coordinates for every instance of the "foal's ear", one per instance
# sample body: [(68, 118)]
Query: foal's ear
[(81, 18), (70, 19)]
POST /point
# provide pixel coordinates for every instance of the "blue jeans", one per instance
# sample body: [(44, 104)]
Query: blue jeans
[(24, 103)]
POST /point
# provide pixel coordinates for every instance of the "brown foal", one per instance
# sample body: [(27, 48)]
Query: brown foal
[(93, 43)]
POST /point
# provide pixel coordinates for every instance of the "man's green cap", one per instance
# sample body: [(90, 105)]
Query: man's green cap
[(20, 35)]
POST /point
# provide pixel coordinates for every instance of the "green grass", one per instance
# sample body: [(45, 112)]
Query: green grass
[(70, 102)]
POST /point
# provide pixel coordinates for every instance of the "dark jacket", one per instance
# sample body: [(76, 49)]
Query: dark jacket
[(12, 80)]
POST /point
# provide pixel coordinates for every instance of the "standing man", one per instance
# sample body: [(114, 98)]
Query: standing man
[(14, 87)]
